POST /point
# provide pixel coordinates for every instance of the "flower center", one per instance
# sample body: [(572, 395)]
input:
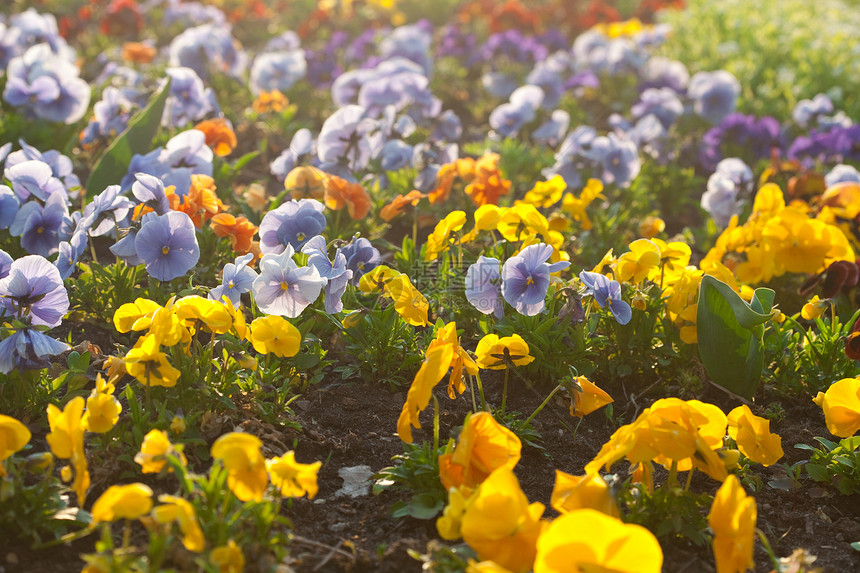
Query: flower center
[(165, 250), (284, 285), (530, 282), (360, 266), (300, 236), (231, 284), (40, 230)]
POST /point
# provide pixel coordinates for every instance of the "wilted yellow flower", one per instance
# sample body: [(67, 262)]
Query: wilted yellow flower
[(590, 491), (732, 519), (484, 446), (500, 524), (841, 405), (123, 502), (66, 440), (587, 397), (437, 360), (293, 478), (492, 351), (276, 335), (154, 451), (181, 511), (245, 464), (588, 540), (13, 436), (228, 558), (461, 360), (753, 437), (149, 364)]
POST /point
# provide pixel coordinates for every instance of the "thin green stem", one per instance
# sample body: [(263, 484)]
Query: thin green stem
[(481, 391), (768, 549), (435, 424), (689, 480), (472, 392), (505, 390), (543, 404)]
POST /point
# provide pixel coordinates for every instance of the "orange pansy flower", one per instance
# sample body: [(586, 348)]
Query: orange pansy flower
[(400, 203), (201, 202), (340, 193), (219, 135), (240, 230)]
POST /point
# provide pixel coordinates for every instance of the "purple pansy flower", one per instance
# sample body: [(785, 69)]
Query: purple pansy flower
[(607, 292), (335, 272), (277, 70), (28, 350), (483, 286), (70, 252), (9, 206), (283, 288), (106, 209), (525, 278), (236, 279), (34, 178), (714, 94), (34, 289), (361, 257), (39, 227), (293, 223), (167, 244)]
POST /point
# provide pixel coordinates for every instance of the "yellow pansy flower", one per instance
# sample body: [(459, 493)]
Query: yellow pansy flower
[(572, 492), (587, 398), (228, 558), (149, 364), (732, 519), (245, 464), (123, 502), (492, 351), (154, 451), (293, 478), (275, 335), (483, 446), (753, 437), (181, 511), (13, 436), (841, 406)]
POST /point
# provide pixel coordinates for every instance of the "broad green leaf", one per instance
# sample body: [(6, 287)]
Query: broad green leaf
[(137, 138), (730, 335)]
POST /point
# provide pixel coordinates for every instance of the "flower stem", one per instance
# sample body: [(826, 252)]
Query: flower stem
[(505, 390), (543, 404), (768, 549), (435, 424), (481, 392)]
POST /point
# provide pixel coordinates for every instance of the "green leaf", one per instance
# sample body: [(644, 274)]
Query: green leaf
[(425, 506), (817, 472), (137, 138), (731, 336)]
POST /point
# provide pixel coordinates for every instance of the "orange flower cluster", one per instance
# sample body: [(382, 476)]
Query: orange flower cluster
[(488, 184), (219, 135), (201, 203), (240, 230), (270, 101), (340, 193)]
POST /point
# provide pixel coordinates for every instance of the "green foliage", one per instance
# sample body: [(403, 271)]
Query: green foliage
[(835, 463), (416, 471), (730, 333), (33, 507), (781, 51), (804, 359), (442, 558), (670, 511), (112, 166), (385, 347)]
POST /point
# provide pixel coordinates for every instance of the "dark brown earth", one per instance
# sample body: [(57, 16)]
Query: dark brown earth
[(349, 424)]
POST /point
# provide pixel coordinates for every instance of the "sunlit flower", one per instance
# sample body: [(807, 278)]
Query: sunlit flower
[(590, 491), (483, 446), (228, 558), (177, 509), (340, 193), (588, 540), (440, 239), (239, 229), (575, 206), (841, 406), (607, 292), (753, 437), (13, 436), (154, 450), (306, 182), (732, 519), (103, 408), (436, 363), (123, 502), (484, 286), (494, 353), (283, 288), (293, 478), (409, 303), (634, 266), (488, 185), (149, 364), (167, 244), (274, 334), (245, 464), (814, 308), (400, 203), (546, 193), (270, 101), (66, 440), (500, 524), (526, 276), (219, 135), (587, 397)]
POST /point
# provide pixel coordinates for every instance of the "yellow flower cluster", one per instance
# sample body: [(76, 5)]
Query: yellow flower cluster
[(409, 303)]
